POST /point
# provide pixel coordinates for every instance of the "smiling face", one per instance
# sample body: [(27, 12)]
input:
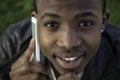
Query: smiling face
[(69, 32)]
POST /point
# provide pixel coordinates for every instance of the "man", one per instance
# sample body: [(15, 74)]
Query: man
[(74, 38)]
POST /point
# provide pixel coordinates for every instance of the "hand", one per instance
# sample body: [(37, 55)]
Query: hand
[(68, 76), (27, 69)]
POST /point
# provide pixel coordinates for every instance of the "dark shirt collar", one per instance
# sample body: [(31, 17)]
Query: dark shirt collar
[(95, 68)]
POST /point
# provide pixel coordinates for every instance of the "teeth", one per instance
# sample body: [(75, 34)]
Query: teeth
[(70, 59)]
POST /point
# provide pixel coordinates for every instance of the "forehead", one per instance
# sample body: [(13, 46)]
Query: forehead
[(68, 5)]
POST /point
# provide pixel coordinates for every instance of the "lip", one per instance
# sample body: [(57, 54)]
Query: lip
[(69, 64)]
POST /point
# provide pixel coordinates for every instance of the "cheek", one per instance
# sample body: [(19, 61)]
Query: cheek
[(46, 42), (92, 41)]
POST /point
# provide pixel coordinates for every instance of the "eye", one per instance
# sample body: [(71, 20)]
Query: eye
[(52, 25), (86, 23)]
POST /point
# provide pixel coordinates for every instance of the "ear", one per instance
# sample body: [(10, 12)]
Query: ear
[(34, 14), (106, 16)]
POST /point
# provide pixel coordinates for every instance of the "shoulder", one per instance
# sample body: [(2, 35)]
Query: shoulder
[(20, 27), (13, 37), (112, 32), (17, 29), (112, 35), (12, 42)]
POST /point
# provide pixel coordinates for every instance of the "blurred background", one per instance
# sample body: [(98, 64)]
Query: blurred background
[(12, 11)]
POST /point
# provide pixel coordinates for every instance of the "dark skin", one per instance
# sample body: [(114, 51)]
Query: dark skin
[(69, 37)]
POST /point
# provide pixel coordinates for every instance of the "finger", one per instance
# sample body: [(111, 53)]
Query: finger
[(39, 68), (32, 57), (29, 51), (26, 56), (28, 68), (21, 70)]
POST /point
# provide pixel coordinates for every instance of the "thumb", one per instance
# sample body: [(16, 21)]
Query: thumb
[(28, 53), (26, 56)]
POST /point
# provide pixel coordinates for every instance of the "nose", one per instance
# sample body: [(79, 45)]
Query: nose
[(69, 39)]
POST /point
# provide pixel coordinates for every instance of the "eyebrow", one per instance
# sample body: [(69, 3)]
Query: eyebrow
[(50, 15), (86, 14)]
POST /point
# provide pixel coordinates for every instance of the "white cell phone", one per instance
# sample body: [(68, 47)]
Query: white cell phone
[(38, 56), (35, 36)]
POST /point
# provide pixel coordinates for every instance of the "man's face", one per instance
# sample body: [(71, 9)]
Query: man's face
[(69, 32)]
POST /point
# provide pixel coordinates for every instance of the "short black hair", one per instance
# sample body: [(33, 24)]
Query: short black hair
[(103, 8)]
